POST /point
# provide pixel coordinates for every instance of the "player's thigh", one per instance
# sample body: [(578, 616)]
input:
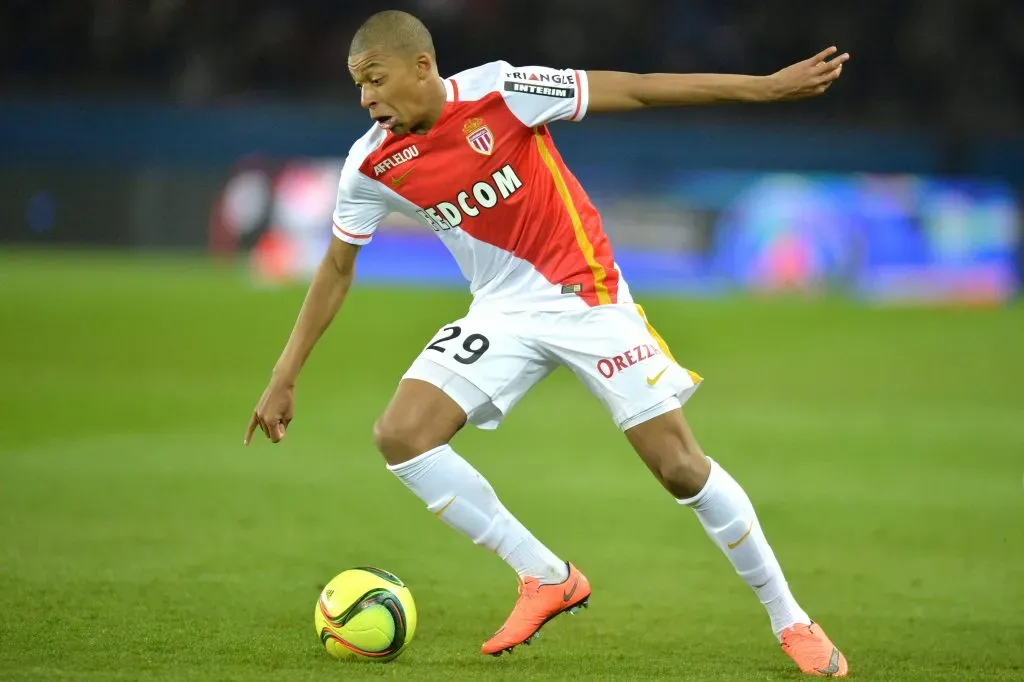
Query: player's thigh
[(624, 362), (484, 363)]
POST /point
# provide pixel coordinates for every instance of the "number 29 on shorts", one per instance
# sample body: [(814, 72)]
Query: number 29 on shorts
[(469, 351)]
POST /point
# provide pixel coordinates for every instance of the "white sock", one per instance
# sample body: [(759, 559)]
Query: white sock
[(456, 492), (728, 517)]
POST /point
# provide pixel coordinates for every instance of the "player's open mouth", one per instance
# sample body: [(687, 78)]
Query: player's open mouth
[(385, 122)]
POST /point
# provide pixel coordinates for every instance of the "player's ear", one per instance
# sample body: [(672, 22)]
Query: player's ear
[(424, 66)]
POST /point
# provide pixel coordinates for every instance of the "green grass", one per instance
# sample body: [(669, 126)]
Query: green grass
[(883, 449)]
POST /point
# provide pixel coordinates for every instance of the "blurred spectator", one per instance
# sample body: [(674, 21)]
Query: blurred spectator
[(953, 65)]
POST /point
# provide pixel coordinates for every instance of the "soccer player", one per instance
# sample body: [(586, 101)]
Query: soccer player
[(471, 158)]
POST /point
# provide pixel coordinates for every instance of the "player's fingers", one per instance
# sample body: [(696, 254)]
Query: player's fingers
[(824, 54), (262, 423), (832, 75), (828, 76), (253, 423), (829, 66), (277, 432), (838, 61)]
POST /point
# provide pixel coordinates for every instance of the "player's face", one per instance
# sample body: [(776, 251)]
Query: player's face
[(395, 89)]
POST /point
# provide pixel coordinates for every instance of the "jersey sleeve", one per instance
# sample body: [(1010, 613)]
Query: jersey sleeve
[(538, 94), (360, 206)]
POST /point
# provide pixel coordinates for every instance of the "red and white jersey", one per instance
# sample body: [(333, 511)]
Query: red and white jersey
[(488, 180)]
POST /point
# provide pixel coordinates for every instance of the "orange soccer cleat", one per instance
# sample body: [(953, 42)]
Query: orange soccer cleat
[(813, 651), (537, 604)]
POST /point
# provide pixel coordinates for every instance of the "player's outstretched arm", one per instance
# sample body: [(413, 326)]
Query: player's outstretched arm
[(326, 293), (619, 91)]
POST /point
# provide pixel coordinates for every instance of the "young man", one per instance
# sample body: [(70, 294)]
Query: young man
[(471, 158)]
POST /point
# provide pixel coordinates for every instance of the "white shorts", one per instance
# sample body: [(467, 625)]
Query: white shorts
[(487, 361)]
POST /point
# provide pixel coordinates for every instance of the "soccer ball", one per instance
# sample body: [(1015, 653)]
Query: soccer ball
[(365, 613)]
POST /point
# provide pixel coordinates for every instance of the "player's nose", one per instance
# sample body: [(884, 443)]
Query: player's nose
[(367, 98)]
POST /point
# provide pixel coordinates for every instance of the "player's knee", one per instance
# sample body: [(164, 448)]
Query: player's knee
[(394, 439), (399, 439)]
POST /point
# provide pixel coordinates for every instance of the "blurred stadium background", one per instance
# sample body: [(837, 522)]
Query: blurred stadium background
[(845, 271)]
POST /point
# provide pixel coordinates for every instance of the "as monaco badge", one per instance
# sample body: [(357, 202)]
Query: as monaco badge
[(479, 136)]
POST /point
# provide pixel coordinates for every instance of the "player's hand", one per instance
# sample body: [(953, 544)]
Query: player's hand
[(274, 412), (808, 78)]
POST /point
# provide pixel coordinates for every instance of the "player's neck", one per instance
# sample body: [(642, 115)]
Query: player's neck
[(434, 108)]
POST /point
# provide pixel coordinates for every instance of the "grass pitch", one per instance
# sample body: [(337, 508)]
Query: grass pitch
[(883, 449)]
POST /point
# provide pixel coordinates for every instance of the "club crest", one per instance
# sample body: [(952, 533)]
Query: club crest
[(479, 136)]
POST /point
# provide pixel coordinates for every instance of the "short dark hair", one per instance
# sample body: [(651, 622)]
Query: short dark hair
[(395, 31)]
